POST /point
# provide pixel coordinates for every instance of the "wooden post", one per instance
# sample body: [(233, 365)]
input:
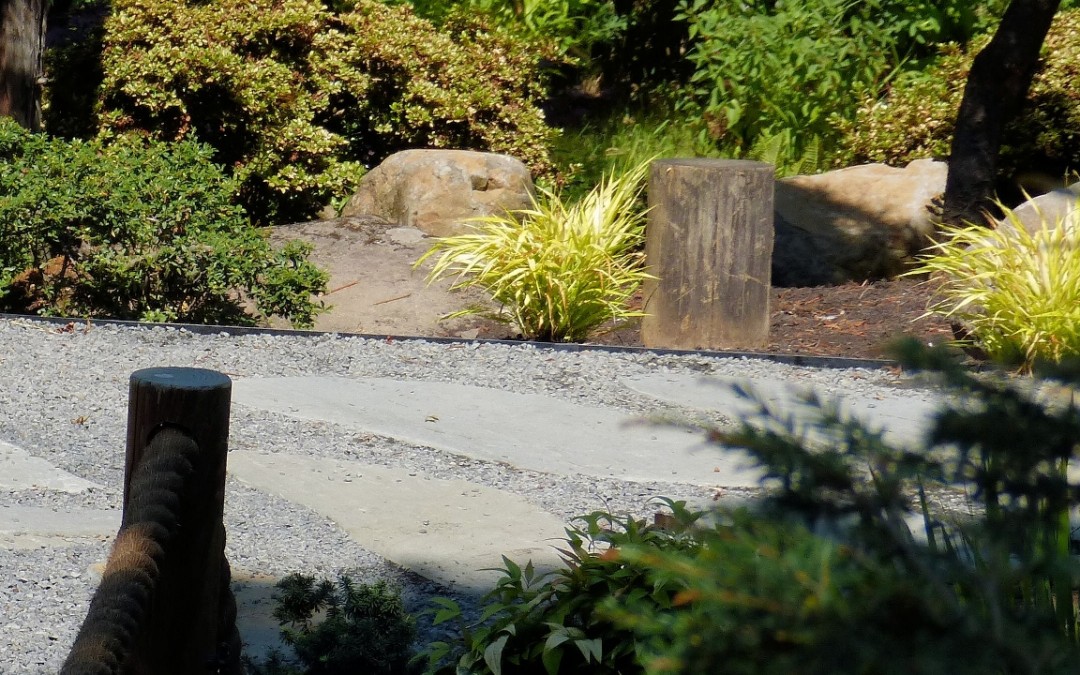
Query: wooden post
[(182, 632), (709, 241)]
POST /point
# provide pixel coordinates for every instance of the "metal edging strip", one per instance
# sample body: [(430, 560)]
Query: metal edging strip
[(811, 361)]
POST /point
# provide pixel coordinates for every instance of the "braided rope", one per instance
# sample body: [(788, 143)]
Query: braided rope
[(151, 518), (229, 642)]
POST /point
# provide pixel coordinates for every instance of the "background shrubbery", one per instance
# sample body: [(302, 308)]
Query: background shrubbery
[(763, 69), (917, 116), (296, 99)]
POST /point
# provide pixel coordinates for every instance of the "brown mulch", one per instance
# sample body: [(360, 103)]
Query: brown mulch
[(854, 320)]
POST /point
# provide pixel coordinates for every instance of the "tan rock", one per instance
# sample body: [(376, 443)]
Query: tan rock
[(861, 222), (436, 191), (374, 288)]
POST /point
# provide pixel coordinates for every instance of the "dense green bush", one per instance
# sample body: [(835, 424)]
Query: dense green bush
[(823, 575), (764, 68), (339, 628), (572, 26), (137, 229), (296, 99), (632, 45), (917, 117)]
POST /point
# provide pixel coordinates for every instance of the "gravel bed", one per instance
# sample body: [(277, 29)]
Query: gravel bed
[(64, 399)]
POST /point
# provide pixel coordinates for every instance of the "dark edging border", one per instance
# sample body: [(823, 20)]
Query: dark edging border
[(810, 361)]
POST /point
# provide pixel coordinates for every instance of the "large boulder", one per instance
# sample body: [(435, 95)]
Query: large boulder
[(1052, 208), (862, 222), (437, 191), (374, 287)]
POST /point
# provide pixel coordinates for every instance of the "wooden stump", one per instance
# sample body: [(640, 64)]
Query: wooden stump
[(182, 632), (709, 241)]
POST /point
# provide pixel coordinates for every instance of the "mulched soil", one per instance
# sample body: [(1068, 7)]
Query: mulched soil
[(854, 320)]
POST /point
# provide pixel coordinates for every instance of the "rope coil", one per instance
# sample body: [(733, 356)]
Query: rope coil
[(152, 516)]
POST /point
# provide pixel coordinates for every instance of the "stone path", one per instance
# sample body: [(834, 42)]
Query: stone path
[(420, 522)]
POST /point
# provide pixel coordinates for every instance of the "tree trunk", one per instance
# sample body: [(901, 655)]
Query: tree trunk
[(22, 39), (996, 86)]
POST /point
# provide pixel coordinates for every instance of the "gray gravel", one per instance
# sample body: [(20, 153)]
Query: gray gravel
[(64, 399)]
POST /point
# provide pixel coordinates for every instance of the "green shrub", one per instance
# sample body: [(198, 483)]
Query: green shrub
[(564, 269), (137, 230), (362, 628), (1016, 293), (573, 26), (551, 623), (628, 48), (767, 71), (296, 99), (917, 117), (763, 68), (761, 596), (614, 147), (915, 120)]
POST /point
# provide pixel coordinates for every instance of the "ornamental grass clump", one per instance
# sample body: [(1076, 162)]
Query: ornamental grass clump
[(558, 270), (1017, 293)]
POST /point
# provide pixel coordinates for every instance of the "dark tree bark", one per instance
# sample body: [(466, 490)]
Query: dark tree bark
[(22, 40), (996, 86)]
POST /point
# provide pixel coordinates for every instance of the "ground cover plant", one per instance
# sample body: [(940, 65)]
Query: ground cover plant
[(559, 270), (339, 628), (137, 229), (535, 623), (1015, 292)]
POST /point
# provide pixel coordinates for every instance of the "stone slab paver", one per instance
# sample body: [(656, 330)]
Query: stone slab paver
[(29, 527), (528, 431), (19, 470), (445, 530)]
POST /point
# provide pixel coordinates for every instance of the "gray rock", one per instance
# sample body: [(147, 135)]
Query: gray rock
[(858, 223), (438, 190), (1052, 208), (799, 259)]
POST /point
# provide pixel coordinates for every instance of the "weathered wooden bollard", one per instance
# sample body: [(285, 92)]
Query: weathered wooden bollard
[(183, 633), (709, 241)]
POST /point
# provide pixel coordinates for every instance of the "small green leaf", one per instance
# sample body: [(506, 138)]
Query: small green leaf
[(551, 659), (592, 650), (493, 654)]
